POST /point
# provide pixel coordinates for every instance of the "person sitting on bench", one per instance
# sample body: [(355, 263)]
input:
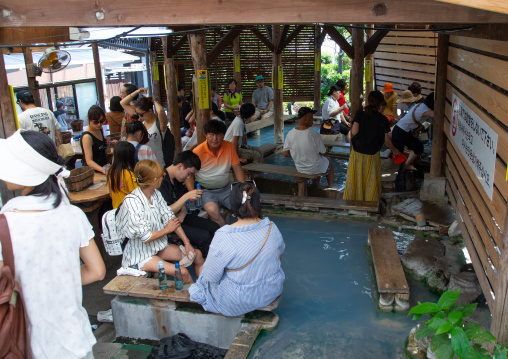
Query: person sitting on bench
[(243, 271), (307, 148), (199, 230), (145, 221), (217, 158)]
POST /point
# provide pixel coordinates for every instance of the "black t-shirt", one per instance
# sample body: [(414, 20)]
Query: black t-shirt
[(371, 136), (186, 108), (98, 149), (171, 192)]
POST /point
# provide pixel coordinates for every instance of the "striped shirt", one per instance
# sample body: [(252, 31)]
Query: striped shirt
[(253, 287), (136, 220), (144, 152)]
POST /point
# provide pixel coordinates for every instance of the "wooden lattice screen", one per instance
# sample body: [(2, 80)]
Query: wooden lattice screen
[(403, 57), (477, 75), (255, 59)]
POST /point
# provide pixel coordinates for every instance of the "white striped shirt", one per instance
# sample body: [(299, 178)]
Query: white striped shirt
[(136, 220)]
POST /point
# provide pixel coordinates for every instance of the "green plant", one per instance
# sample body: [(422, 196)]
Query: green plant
[(450, 335)]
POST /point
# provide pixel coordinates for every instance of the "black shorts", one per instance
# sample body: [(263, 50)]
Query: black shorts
[(401, 139)]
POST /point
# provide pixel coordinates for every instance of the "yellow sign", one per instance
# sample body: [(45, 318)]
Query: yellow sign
[(507, 174), (317, 65), (367, 70), (203, 90), (11, 89), (237, 63), (280, 77), (155, 71)]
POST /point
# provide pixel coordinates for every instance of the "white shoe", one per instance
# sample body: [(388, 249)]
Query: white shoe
[(105, 316)]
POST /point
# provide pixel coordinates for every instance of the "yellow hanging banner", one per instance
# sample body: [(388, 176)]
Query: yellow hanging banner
[(317, 64), (280, 77), (155, 68), (367, 70), (11, 89), (237, 63), (203, 90)]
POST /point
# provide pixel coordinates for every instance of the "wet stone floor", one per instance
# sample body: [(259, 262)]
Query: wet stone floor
[(328, 307)]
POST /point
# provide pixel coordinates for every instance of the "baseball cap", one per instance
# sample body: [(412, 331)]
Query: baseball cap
[(305, 110), (259, 77), (24, 96), (59, 104)]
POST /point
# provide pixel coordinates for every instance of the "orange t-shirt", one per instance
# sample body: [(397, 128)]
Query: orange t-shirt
[(214, 172)]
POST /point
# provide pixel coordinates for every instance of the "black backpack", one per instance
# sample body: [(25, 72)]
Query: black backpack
[(168, 144)]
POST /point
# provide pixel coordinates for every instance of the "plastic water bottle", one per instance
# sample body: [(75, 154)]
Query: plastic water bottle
[(199, 202), (178, 277), (187, 207), (163, 282)]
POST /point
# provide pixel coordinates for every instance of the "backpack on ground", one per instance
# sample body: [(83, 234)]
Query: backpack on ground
[(113, 242)]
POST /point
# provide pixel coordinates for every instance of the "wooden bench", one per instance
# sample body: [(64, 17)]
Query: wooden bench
[(254, 169), (143, 287), (268, 148), (391, 280), (257, 125)]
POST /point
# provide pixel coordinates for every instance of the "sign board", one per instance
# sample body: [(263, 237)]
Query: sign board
[(477, 142), (367, 70), (237, 63), (155, 68), (317, 63), (280, 78), (204, 95)]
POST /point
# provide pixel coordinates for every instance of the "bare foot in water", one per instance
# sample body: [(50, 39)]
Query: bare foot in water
[(409, 167)]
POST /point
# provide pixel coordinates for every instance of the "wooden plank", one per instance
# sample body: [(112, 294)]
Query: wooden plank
[(340, 40), (334, 141), (372, 43), (415, 41), (493, 101), (390, 275), (32, 35), (318, 202), (406, 57), (491, 69), (120, 285), (222, 44), (489, 5), (429, 86), (262, 38), (268, 148), (407, 49), (7, 119), (493, 46), (422, 33), (477, 265), (149, 288), (405, 66), (281, 170), (407, 74)]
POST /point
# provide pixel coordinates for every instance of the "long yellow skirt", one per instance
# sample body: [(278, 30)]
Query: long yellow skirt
[(363, 181)]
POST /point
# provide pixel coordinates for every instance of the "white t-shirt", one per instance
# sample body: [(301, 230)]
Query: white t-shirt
[(406, 123), (330, 105), (39, 119), (305, 147), (237, 128), (155, 143), (46, 256)]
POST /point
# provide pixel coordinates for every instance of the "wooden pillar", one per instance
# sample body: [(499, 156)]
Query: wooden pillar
[(155, 76), (8, 122), (32, 82), (438, 136), (278, 113), (98, 75), (356, 87), (317, 68), (171, 93), (369, 85), (237, 74), (197, 43)]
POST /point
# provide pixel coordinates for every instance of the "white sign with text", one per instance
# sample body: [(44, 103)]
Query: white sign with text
[(476, 141)]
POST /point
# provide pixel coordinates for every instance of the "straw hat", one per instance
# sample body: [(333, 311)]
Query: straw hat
[(407, 96), (388, 87)]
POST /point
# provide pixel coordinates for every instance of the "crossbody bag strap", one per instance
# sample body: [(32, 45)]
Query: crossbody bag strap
[(5, 239), (249, 262), (414, 118)]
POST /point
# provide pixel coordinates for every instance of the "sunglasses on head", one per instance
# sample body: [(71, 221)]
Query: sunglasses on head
[(140, 114), (247, 181)]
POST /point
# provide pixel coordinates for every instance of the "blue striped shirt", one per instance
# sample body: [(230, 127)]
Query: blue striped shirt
[(253, 287)]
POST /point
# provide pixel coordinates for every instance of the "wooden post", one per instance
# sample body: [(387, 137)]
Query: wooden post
[(278, 113), (8, 122), (98, 75), (369, 85), (317, 70), (197, 43), (237, 75), (438, 136), (171, 93), (32, 82), (155, 78), (357, 69)]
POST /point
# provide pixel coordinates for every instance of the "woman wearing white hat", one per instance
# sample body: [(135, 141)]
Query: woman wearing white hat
[(49, 236)]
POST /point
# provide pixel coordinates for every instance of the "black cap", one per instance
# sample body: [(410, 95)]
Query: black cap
[(59, 104), (25, 96), (305, 110)]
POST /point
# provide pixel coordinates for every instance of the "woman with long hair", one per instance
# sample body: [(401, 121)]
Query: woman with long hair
[(233, 99), (369, 131), (137, 135), (145, 220), (93, 144), (120, 177), (49, 236), (242, 271)]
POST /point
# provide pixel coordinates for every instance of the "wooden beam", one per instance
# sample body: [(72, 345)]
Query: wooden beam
[(373, 41), (357, 69), (175, 12), (32, 35), (222, 44), (268, 30), (262, 38), (489, 5), (340, 40), (488, 31), (322, 36), (317, 70), (278, 45), (438, 136), (32, 82), (179, 44), (291, 37), (7, 119), (98, 75), (278, 112)]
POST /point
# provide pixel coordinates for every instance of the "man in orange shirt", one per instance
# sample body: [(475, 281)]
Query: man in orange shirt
[(217, 157)]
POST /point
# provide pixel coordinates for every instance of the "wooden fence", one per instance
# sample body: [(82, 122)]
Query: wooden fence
[(477, 75), (406, 56)]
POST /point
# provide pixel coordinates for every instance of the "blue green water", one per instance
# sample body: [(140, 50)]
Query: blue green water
[(328, 309)]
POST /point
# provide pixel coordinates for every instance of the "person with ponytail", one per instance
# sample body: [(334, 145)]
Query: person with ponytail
[(243, 270), (49, 236), (120, 177), (369, 131)]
